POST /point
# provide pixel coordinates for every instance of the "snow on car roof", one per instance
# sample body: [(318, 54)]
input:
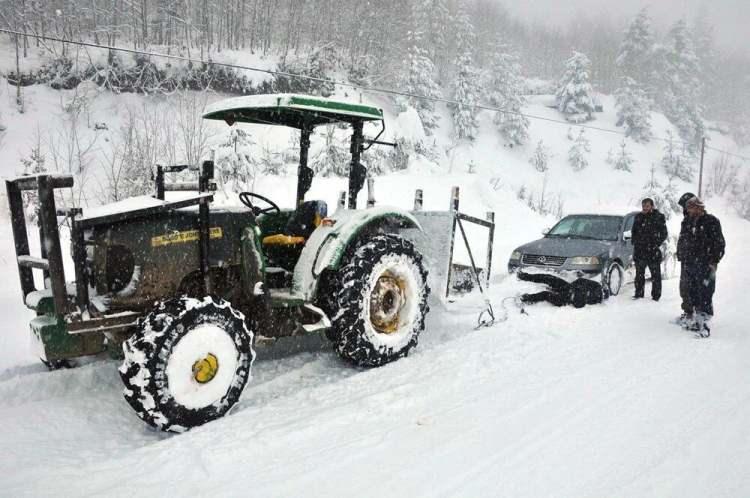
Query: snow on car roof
[(289, 110)]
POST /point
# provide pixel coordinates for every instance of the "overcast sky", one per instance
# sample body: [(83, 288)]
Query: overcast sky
[(730, 17)]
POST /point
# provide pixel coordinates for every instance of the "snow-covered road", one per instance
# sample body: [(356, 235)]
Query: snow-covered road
[(609, 400)]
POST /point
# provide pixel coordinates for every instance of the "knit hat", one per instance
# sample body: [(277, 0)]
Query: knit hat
[(684, 198)]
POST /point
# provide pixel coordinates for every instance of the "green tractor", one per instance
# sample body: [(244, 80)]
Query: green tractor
[(184, 290)]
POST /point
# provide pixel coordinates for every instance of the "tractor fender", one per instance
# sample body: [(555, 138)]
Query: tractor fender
[(326, 247)]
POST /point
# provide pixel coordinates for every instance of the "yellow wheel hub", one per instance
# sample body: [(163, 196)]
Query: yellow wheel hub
[(386, 302), (204, 370)]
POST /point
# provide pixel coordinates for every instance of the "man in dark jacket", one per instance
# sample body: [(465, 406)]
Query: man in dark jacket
[(687, 308), (648, 234), (703, 249), (579, 293)]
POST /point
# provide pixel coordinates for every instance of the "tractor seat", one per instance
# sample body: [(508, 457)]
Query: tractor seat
[(305, 219)]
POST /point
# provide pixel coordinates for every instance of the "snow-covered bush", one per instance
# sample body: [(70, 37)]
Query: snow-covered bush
[(722, 176), (33, 164), (676, 161), (665, 198), (334, 158), (740, 197), (235, 167), (575, 95), (577, 154), (623, 160), (540, 158)]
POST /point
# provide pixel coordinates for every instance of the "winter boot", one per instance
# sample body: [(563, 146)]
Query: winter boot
[(685, 320), (702, 325)]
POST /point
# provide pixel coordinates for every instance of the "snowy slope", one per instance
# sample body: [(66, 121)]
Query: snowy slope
[(609, 400)]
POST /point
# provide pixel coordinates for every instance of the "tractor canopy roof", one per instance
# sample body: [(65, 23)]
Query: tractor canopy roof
[(296, 111)]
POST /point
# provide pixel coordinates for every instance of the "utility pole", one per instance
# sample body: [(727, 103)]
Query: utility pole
[(700, 174), (19, 99)]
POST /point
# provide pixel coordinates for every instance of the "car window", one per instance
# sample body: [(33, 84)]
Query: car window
[(628, 223), (588, 227)]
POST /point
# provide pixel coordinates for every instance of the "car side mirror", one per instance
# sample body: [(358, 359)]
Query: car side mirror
[(627, 235), (545, 231)]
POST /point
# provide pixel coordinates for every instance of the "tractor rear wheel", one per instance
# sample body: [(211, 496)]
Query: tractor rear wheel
[(188, 363), (380, 301)]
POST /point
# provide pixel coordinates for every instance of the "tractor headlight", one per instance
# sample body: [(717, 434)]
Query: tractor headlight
[(585, 261), (515, 255)]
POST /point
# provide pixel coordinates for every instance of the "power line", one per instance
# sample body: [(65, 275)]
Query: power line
[(738, 156), (388, 91)]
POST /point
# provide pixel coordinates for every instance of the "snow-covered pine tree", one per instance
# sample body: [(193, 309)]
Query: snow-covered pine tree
[(680, 88), (636, 50), (624, 160), (234, 161), (675, 162), (665, 198), (574, 91), (703, 42), (419, 76), (610, 159), (506, 92), (466, 84), (577, 155), (439, 20), (334, 159), (33, 165), (634, 110), (540, 158)]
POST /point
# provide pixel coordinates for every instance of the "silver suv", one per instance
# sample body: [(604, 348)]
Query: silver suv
[(582, 245)]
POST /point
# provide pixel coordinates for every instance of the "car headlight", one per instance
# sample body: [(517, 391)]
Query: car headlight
[(585, 260), (515, 255)]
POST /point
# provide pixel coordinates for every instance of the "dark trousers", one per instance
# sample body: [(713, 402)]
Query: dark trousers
[(654, 268), (578, 293), (701, 286), (687, 307), (555, 298)]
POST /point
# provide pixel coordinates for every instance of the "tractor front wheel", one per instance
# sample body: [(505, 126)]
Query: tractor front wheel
[(380, 302), (188, 363)]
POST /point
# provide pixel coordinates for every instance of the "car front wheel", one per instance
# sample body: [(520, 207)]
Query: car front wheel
[(614, 279)]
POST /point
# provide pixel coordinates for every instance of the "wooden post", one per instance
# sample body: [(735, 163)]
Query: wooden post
[(454, 212), (490, 243), (19, 99), (51, 240), (454, 199), (20, 237), (700, 175), (418, 199), (370, 192), (342, 199)]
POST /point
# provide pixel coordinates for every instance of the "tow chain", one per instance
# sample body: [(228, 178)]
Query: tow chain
[(487, 316)]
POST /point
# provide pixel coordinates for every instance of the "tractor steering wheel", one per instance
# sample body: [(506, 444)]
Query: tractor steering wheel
[(245, 199)]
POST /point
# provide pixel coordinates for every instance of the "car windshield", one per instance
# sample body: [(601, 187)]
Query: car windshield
[(587, 227)]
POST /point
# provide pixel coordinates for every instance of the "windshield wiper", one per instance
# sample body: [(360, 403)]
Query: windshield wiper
[(577, 236)]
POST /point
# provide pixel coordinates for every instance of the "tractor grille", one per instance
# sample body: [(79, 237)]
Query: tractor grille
[(536, 259)]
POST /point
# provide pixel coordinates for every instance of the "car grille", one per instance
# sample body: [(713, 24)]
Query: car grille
[(536, 259)]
